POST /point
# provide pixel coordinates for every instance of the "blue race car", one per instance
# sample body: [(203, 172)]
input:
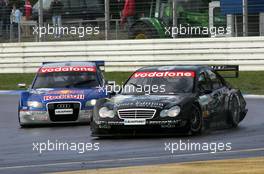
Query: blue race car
[(62, 93)]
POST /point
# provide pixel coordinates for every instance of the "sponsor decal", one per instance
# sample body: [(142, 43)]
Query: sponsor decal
[(63, 111), (130, 122), (140, 104), (161, 74), (67, 69), (64, 92), (166, 122), (60, 97)]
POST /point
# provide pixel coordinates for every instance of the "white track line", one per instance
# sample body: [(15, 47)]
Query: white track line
[(246, 95), (254, 96), (251, 96), (129, 159)]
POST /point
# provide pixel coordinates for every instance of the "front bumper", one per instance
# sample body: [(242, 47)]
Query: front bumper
[(151, 128), (42, 117)]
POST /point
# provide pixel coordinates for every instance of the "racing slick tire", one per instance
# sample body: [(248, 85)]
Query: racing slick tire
[(233, 111), (196, 121), (20, 124), (93, 128)]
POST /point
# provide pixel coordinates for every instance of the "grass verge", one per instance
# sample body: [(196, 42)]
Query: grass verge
[(238, 166), (248, 82)]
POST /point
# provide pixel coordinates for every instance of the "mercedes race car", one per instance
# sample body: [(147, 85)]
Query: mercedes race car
[(62, 93), (168, 100)]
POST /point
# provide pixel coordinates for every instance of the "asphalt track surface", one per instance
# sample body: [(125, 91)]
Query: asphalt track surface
[(17, 155)]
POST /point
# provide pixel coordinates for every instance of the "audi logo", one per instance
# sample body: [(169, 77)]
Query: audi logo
[(63, 106)]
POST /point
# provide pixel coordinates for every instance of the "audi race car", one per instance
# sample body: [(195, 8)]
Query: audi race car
[(168, 100), (62, 93)]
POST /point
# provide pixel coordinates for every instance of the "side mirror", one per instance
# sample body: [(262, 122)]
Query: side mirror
[(111, 88), (21, 85), (113, 93)]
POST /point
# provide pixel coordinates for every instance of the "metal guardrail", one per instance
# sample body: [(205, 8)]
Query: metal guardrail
[(129, 55)]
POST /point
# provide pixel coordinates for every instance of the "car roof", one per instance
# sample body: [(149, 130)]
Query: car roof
[(63, 64), (195, 68)]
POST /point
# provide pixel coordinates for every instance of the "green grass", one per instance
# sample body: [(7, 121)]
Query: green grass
[(119, 77), (248, 82), (10, 81)]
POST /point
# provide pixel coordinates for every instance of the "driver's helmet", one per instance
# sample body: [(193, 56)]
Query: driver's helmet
[(201, 78), (87, 77)]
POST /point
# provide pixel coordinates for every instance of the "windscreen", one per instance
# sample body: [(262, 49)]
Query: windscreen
[(66, 77), (160, 82)]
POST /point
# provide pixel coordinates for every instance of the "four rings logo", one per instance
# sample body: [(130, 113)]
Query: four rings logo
[(63, 106)]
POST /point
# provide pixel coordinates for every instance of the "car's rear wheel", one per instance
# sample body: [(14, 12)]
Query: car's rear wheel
[(234, 112), (196, 120)]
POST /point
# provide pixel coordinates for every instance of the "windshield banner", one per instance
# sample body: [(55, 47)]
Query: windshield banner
[(162, 74), (67, 69)]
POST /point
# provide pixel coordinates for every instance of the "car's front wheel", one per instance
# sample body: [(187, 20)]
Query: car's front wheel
[(196, 120), (19, 121), (20, 124)]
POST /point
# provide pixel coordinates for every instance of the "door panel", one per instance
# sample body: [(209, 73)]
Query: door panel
[(218, 95)]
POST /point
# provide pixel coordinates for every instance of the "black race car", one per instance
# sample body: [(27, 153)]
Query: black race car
[(167, 100)]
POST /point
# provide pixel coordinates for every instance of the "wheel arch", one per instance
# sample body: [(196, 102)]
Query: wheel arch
[(197, 104)]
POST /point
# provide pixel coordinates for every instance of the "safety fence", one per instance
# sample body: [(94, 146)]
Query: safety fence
[(116, 20)]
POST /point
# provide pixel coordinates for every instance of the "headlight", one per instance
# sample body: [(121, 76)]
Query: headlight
[(34, 104), (172, 112), (104, 112), (90, 103)]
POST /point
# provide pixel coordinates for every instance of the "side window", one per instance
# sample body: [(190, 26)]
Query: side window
[(216, 81), (203, 82)]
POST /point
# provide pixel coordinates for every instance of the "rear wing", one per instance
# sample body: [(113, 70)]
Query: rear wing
[(227, 71), (100, 64)]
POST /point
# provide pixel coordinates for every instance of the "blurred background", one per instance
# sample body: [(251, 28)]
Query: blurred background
[(129, 19)]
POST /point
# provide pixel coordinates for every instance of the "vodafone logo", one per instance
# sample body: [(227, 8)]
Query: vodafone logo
[(67, 69), (61, 97), (160, 74)]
